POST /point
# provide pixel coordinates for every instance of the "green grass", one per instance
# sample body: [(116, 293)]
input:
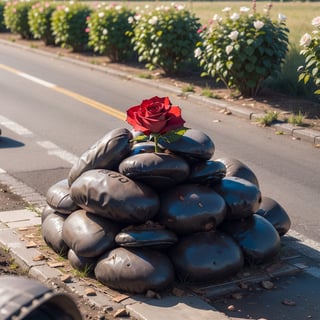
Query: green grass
[(5, 249), (145, 75), (188, 88), (268, 118), (207, 92), (297, 119), (34, 209), (83, 273)]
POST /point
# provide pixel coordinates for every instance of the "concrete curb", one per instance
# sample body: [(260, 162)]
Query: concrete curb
[(297, 132)]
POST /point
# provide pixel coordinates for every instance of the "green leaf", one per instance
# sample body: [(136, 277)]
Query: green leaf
[(174, 135), (309, 57), (140, 138), (249, 50), (266, 63), (253, 59), (261, 70), (250, 42), (310, 63), (306, 78), (229, 64), (242, 57), (249, 67), (301, 76), (315, 72), (251, 84)]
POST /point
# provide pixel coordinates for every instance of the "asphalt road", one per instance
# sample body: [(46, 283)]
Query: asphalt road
[(52, 110)]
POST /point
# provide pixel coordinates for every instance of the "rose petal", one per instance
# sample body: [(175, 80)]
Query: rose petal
[(154, 125), (175, 121), (155, 115)]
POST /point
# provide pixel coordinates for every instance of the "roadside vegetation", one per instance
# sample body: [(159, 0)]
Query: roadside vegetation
[(244, 45), (269, 118)]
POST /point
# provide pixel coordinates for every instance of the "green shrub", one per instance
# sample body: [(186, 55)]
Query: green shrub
[(311, 53), (109, 31), (2, 24), (69, 26), (39, 18), (297, 119), (269, 118), (287, 81), (243, 49), (165, 38), (16, 17)]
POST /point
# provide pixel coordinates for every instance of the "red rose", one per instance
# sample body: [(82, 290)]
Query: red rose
[(155, 115)]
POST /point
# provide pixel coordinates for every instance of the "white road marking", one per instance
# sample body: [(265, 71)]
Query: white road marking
[(15, 127), (36, 80), (54, 150), (83, 99), (306, 241), (47, 144)]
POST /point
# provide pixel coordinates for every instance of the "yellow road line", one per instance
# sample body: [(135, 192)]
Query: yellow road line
[(2, 66), (90, 102)]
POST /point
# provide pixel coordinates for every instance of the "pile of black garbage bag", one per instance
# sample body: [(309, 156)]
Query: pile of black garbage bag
[(140, 220)]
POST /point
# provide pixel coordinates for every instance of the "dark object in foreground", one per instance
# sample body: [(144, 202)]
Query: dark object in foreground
[(135, 270), (271, 210), (182, 216), (18, 296)]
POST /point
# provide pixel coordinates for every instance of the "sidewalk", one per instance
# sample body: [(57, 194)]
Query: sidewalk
[(284, 290)]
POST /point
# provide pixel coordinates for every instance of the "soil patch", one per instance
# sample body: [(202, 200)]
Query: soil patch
[(10, 201)]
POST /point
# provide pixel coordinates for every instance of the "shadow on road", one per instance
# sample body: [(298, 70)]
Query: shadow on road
[(6, 142)]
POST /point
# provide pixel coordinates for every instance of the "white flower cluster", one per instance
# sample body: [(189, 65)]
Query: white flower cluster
[(236, 16), (197, 52), (306, 39), (316, 22), (233, 35), (282, 18), (153, 20), (258, 24)]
